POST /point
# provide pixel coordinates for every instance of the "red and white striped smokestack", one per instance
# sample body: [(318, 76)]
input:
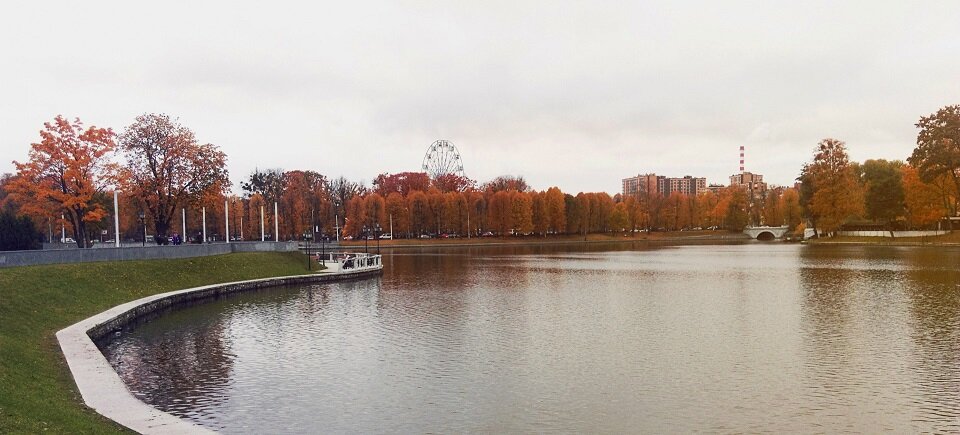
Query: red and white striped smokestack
[(741, 159)]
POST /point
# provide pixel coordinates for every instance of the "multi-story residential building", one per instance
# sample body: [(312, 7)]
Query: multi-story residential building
[(716, 188), (640, 184), (659, 184), (753, 183)]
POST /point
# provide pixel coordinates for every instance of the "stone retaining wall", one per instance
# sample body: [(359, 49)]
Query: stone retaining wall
[(69, 256), (101, 387), (895, 233)]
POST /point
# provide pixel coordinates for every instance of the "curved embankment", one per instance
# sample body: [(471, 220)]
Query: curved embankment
[(101, 387)]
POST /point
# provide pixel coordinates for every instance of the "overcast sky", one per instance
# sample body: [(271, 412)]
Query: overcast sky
[(573, 94)]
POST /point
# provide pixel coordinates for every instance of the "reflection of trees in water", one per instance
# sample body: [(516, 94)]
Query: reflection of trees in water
[(826, 317), (181, 370), (934, 296), (180, 359), (883, 324)]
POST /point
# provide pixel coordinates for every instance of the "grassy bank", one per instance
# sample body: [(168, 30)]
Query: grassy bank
[(37, 393)]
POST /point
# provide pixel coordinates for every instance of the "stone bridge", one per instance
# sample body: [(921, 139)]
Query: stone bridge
[(765, 233)]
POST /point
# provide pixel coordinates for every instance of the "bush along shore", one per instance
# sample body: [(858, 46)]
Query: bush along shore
[(37, 392)]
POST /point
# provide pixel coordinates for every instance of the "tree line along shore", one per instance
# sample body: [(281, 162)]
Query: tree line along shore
[(168, 182)]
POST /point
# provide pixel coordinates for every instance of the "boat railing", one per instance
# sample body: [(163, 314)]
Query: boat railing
[(353, 261)]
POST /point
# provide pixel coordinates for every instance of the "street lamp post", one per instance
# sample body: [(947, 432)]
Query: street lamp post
[(116, 220), (376, 233), (143, 221), (366, 232)]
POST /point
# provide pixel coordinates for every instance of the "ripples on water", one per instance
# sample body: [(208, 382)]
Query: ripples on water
[(728, 338)]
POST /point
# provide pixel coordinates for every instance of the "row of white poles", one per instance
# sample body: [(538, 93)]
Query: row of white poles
[(183, 220)]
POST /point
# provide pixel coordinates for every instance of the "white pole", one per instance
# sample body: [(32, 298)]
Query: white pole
[(63, 228), (391, 225), (226, 219), (262, 236), (183, 221), (241, 227), (276, 224), (204, 213), (116, 221), (468, 222), (336, 220)]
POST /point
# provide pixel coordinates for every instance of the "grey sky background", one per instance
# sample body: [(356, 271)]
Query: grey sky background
[(573, 94)]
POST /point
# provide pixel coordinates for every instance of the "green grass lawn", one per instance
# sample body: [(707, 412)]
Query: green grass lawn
[(37, 393)]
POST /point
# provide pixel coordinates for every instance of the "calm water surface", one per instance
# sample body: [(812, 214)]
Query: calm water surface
[(717, 338)]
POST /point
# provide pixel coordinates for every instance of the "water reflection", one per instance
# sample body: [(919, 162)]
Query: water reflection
[(581, 338)]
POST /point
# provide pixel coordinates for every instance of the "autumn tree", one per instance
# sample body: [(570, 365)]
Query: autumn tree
[(66, 172), (256, 209), (521, 212), (619, 217), (539, 207), (419, 212), (571, 206), (166, 167), (737, 204), (500, 212), (772, 209), (478, 211), (836, 193), (453, 183), (790, 207), (937, 155), (7, 203), (342, 191), (556, 214), (398, 215), (507, 182), (402, 183), (269, 184), (583, 212), (708, 203), (636, 216), (356, 216), (883, 195), (303, 201), (375, 211), (922, 201), (602, 204)]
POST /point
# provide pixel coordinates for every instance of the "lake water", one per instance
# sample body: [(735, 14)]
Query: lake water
[(755, 337)]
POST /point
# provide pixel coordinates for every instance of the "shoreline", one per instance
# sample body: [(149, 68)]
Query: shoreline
[(99, 384), (592, 239)]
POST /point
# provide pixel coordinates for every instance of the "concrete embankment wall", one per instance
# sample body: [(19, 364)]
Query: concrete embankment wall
[(895, 233), (69, 256), (101, 387)]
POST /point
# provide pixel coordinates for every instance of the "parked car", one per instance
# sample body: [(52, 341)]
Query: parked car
[(425, 236), (487, 234), (348, 238), (386, 236)]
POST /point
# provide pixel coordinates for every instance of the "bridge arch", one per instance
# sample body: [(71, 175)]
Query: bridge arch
[(766, 236), (765, 232)]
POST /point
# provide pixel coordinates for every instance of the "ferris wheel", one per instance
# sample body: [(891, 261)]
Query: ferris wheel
[(442, 158)]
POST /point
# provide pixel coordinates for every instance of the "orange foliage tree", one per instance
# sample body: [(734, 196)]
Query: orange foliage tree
[(65, 173), (166, 167), (924, 202)]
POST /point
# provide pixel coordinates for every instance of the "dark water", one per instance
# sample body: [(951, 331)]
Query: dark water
[(716, 338)]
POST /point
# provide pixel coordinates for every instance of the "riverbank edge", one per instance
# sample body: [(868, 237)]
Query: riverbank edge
[(734, 237), (905, 243), (101, 387)]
